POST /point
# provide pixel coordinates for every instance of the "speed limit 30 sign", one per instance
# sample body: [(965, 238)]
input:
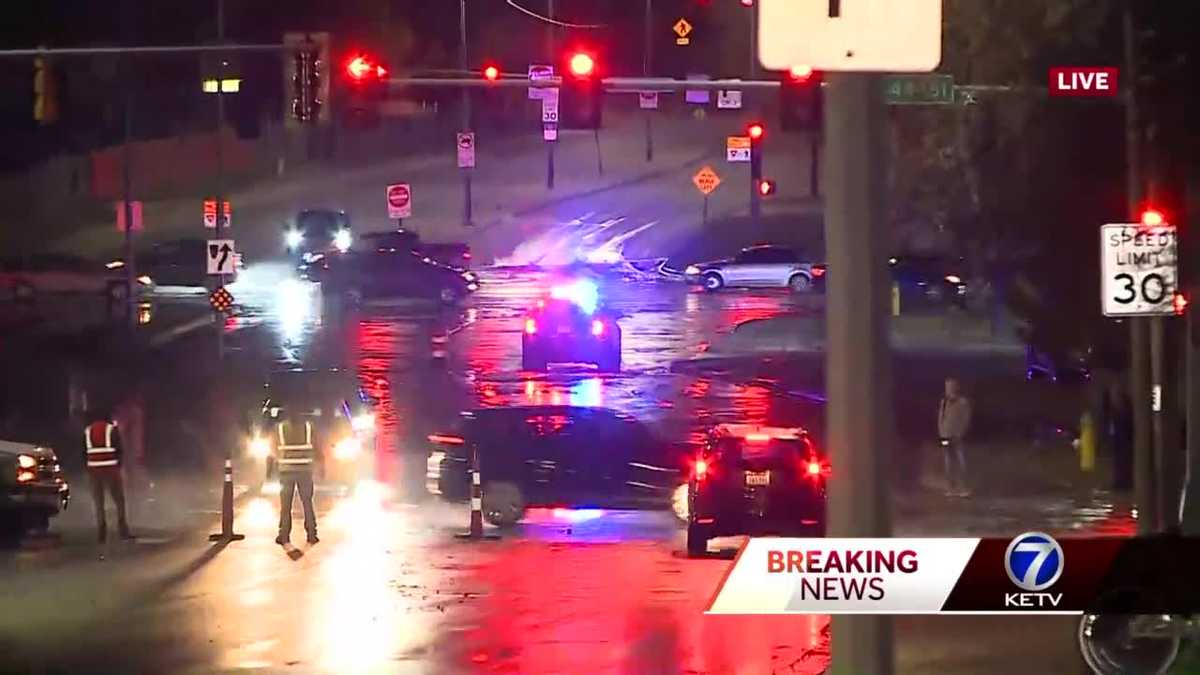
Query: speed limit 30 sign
[(1138, 267)]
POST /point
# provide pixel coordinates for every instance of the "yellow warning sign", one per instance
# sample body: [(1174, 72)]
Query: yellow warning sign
[(682, 28), (706, 180)]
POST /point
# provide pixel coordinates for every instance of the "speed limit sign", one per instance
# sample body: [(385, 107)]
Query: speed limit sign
[(1138, 266)]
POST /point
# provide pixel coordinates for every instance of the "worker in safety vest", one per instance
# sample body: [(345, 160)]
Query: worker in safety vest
[(102, 446), (296, 458)]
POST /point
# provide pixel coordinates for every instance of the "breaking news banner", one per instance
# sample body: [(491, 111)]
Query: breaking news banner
[(1032, 573)]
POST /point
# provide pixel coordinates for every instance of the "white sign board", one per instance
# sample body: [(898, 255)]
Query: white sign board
[(648, 100), (550, 107), (221, 256), (550, 131), (539, 72), (1138, 272), (729, 99), (854, 35), (466, 150), (737, 149), (399, 200)]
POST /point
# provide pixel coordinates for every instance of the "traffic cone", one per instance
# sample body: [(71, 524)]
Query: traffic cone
[(476, 528), (227, 533)]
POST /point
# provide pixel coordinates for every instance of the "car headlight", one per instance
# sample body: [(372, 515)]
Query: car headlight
[(145, 280), (954, 278), (692, 269), (347, 448), (26, 461), (342, 240), (363, 422), (293, 238), (259, 447)]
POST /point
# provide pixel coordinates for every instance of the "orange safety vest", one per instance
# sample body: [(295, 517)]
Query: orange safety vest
[(100, 450)]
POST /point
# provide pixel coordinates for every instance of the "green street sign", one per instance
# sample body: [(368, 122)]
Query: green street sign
[(931, 89)]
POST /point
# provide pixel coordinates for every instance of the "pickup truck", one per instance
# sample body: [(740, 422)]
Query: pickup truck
[(455, 254), (32, 488)]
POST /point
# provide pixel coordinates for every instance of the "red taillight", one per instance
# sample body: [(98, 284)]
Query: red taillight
[(466, 256), (446, 440), (700, 468), (815, 468), (758, 438), (530, 326), (818, 271), (25, 476), (597, 327)]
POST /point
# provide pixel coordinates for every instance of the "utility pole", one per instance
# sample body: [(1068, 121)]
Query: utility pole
[(1189, 507), (1139, 395), (220, 164), (126, 179), (647, 58), (550, 47), (466, 105), (858, 362)]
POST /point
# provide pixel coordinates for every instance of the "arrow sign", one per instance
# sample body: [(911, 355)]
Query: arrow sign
[(221, 256)]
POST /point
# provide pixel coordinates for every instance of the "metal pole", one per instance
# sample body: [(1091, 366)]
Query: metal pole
[(858, 359), (814, 166), (647, 52), (220, 165), (1159, 405), (1143, 458), (753, 40), (466, 105), (127, 207), (550, 59), (1189, 507)]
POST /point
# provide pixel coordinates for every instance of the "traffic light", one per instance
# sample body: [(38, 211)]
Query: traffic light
[(364, 70), (1153, 218), (491, 73), (766, 187), (1179, 303), (800, 100), (581, 95), (756, 131), (365, 85), (306, 78), (306, 85)]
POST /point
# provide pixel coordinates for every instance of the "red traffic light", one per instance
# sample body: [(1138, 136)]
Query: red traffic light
[(747, 3), (800, 73), (755, 131), (491, 73), (361, 67), (1179, 303), (766, 187), (582, 64), (1153, 218)]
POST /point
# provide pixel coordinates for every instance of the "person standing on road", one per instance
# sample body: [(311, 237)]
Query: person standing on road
[(295, 459), (103, 454), (954, 419)]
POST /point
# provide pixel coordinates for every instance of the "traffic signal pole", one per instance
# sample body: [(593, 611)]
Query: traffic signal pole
[(1189, 507), (647, 57), (858, 362), (220, 328), (550, 49), (466, 105)]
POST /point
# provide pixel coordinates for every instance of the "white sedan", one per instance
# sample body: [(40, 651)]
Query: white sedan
[(756, 267)]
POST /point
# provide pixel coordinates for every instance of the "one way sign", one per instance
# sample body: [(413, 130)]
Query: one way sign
[(222, 257)]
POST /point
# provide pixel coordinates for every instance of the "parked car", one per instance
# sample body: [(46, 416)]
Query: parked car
[(318, 231), (921, 280), (757, 266), (182, 262), (553, 455), (59, 274), (356, 277), (32, 487), (757, 481), (454, 254)]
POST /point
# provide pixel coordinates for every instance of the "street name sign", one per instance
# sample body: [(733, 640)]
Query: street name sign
[(706, 180), (729, 99), (851, 35), (931, 89), (221, 256), (399, 200), (539, 72), (737, 149), (1138, 269)]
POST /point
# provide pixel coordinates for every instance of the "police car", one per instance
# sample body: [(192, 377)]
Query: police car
[(571, 326), (756, 480)]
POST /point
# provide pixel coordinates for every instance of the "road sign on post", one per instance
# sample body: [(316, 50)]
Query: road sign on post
[(706, 180), (550, 106), (931, 89), (729, 99), (856, 35), (399, 201), (221, 256), (466, 150), (682, 30), (550, 131), (210, 214), (737, 149), (1138, 267), (536, 73), (648, 100), (136, 208)]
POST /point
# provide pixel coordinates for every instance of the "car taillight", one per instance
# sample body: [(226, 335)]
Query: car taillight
[(597, 327), (446, 439), (815, 468), (758, 438), (530, 326), (25, 476), (701, 468), (466, 256), (818, 271)]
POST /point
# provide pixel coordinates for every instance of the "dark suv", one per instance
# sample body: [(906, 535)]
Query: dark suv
[(756, 481), (553, 455)]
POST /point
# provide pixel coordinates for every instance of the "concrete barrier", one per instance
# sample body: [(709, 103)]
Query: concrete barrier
[(951, 332)]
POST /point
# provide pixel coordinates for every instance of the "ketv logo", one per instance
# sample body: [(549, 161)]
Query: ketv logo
[(1034, 561), (1083, 81)]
